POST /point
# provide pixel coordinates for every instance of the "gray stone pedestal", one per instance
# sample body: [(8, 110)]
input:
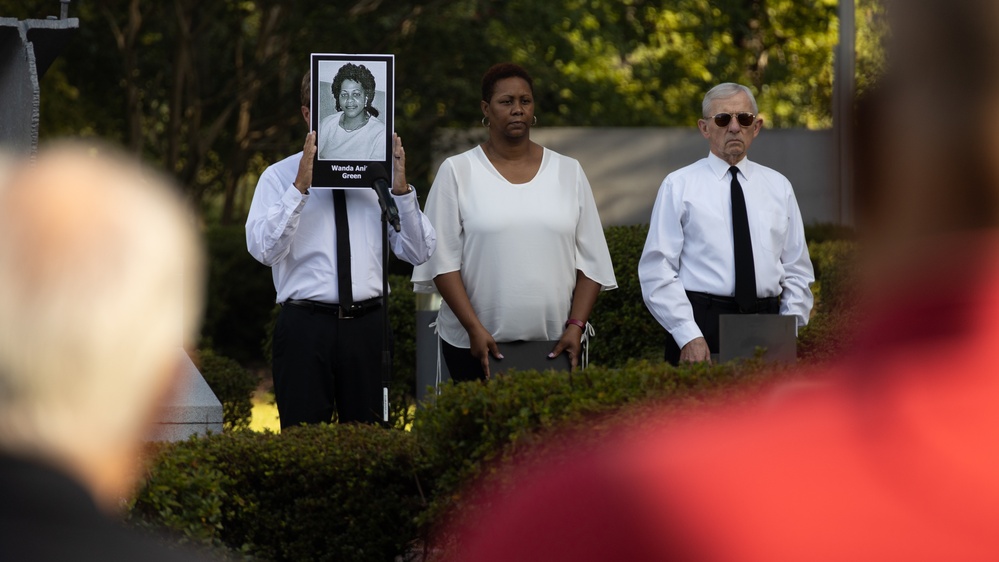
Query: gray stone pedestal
[(194, 410)]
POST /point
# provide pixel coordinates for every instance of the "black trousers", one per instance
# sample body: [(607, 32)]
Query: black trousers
[(707, 309), (324, 364), (460, 364)]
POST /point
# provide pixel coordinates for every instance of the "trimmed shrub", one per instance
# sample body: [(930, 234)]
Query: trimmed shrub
[(469, 426), (355, 492), (185, 492), (402, 318), (329, 492), (239, 299), (827, 232), (233, 386), (835, 273), (625, 329), (835, 318)]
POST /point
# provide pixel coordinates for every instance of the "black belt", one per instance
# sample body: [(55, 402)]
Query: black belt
[(356, 310), (761, 305)]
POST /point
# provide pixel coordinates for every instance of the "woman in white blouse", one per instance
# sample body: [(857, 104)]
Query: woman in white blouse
[(521, 254)]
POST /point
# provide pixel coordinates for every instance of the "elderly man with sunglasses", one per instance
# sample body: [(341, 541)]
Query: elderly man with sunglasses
[(726, 236)]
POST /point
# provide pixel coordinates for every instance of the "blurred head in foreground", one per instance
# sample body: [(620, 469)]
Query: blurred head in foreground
[(100, 287), (893, 457), (927, 164)]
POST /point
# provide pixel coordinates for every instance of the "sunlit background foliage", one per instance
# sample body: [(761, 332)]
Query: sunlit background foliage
[(209, 90)]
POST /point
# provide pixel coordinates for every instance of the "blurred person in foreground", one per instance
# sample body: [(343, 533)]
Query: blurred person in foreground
[(101, 282), (893, 456), (521, 254)]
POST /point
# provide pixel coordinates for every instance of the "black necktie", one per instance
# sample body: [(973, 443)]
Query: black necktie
[(342, 248), (745, 270)]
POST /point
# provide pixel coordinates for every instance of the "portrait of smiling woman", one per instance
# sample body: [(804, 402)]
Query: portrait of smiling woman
[(353, 131), (521, 254)]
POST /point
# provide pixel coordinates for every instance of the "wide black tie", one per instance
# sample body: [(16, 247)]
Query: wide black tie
[(342, 248), (745, 269)]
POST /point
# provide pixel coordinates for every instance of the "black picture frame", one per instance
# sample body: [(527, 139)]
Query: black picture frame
[(345, 158)]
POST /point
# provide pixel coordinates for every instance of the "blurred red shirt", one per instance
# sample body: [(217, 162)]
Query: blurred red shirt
[(894, 455)]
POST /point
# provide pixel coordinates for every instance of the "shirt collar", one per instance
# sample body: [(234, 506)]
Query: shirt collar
[(720, 167)]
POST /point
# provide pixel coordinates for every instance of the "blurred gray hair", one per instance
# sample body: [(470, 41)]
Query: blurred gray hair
[(101, 267), (725, 91)]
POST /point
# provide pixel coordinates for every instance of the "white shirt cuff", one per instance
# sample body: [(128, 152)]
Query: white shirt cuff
[(293, 197), (685, 333), (412, 191)]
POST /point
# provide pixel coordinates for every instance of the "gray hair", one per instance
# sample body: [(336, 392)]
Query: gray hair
[(725, 91)]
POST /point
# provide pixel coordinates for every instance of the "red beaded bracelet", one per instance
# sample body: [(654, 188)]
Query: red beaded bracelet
[(574, 322)]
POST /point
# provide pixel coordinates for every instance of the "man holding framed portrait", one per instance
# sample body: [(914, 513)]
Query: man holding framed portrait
[(324, 247)]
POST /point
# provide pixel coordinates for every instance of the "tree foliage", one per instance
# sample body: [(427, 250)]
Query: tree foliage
[(209, 90)]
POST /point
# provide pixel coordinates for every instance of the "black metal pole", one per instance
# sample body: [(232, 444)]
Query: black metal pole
[(386, 353)]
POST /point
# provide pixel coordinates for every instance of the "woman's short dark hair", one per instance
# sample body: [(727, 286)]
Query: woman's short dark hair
[(361, 75), (500, 71)]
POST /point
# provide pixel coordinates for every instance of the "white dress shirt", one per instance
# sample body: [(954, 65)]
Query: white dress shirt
[(517, 246), (295, 234), (690, 248)]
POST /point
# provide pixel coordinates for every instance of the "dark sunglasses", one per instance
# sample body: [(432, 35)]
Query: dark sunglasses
[(744, 119)]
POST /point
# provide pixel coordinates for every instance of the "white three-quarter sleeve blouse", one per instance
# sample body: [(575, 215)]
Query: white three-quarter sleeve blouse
[(517, 246)]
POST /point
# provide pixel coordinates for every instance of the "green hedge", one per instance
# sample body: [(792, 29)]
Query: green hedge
[(240, 297), (835, 270), (471, 425), (185, 492), (330, 492), (349, 492), (828, 232), (827, 335), (233, 386), (402, 317), (625, 329), (366, 493)]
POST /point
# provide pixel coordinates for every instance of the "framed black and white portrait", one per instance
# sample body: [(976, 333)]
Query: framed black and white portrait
[(352, 112)]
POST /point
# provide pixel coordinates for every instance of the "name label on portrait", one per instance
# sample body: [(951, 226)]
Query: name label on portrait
[(350, 172)]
